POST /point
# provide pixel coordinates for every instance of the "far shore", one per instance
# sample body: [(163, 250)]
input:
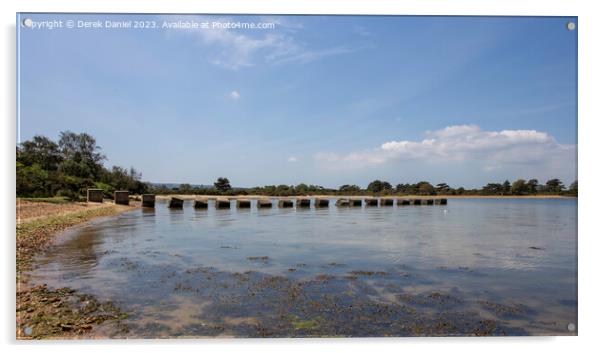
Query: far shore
[(236, 197)]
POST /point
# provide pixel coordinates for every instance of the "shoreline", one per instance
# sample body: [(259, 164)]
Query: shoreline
[(35, 304)]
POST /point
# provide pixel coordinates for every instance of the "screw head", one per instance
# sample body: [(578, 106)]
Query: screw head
[(571, 26)]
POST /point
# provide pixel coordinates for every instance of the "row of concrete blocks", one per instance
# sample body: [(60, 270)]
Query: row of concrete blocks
[(121, 197), (175, 202)]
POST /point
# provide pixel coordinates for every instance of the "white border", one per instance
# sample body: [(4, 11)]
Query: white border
[(590, 35)]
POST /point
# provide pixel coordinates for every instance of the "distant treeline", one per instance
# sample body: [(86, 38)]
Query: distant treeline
[(519, 187), (68, 167), (71, 165)]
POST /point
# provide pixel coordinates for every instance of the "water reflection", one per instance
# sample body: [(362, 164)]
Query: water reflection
[(509, 261)]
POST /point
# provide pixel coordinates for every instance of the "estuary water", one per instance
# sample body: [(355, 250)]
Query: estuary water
[(471, 267)]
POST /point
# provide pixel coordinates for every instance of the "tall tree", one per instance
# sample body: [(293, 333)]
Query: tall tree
[(532, 185), (222, 184), (554, 185), (506, 187), (519, 187), (40, 150), (83, 154)]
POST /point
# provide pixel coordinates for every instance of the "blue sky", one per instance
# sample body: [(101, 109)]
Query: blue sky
[(326, 100)]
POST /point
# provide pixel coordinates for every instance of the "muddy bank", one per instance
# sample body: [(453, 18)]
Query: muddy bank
[(44, 313), (61, 313)]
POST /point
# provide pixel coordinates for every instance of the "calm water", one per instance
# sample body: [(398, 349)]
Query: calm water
[(474, 266)]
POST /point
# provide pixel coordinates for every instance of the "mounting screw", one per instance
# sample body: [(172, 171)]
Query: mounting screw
[(570, 26)]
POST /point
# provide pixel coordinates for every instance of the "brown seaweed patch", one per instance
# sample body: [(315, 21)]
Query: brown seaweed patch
[(46, 313)]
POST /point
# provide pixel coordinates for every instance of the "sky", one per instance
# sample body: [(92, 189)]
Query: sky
[(326, 100)]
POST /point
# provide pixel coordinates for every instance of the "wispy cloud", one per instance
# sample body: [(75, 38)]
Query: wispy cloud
[(234, 95), (235, 49), (463, 143), (293, 159)]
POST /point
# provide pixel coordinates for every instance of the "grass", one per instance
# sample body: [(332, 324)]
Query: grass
[(55, 200)]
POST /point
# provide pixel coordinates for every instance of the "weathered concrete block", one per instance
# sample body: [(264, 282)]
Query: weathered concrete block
[(443, 202), (430, 202), (243, 203), (386, 202), (342, 202), (321, 202), (122, 197), (201, 204), (95, 195), (417, 202), (148, 200), (355, 202), (371, 202), (175, 202), (403, 202), (285, 203), (303, 203), (222, 203), (264, 203)]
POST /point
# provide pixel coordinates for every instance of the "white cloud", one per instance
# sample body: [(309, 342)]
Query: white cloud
[(293, 159), (492, 150), (234, 95)]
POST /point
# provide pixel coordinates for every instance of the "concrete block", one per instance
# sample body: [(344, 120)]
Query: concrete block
[(148, 200), (122, 197), (95, 195)]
